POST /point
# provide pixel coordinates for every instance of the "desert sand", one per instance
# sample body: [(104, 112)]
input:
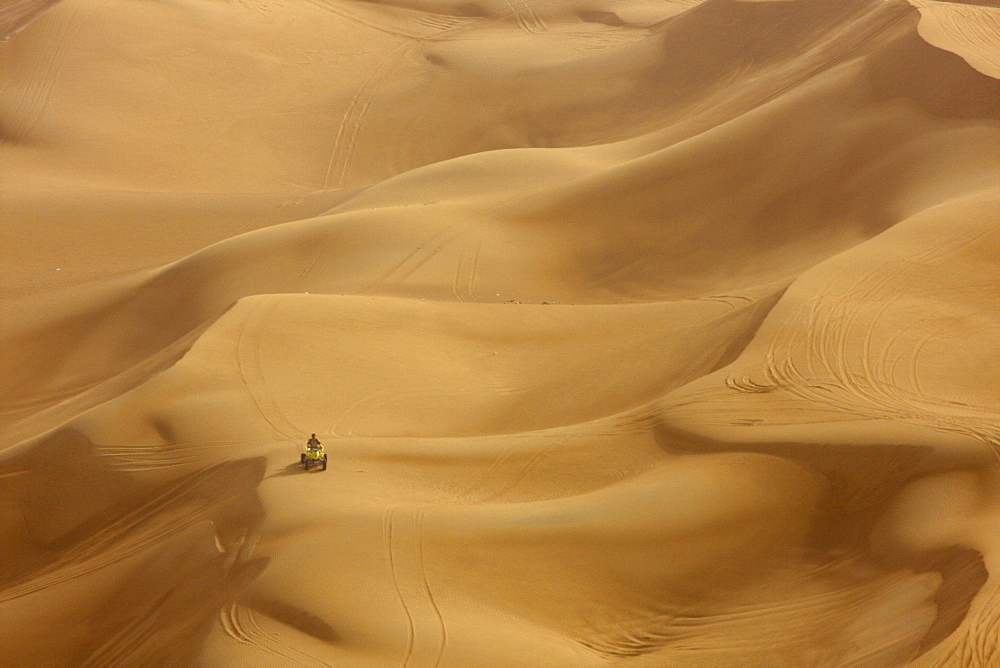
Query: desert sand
[(637, 332)]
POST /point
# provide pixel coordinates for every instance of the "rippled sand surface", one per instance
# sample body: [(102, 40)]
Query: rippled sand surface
[(638, 332)]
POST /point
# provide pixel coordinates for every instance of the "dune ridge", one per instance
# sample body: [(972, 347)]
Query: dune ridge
[(638, 333)]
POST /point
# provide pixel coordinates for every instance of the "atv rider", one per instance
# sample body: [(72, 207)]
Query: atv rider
[(314, 454)]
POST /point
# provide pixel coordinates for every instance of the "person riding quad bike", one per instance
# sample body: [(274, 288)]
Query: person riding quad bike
[(314, 454)]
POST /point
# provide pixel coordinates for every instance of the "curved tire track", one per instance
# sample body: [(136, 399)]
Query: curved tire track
[(249, 366)]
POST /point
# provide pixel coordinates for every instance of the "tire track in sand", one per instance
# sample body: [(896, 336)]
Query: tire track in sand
[(464, 284), (527, 17), (240, 623), (147, 457), (41, 80), (403, 546), (358, 412), (775, 616), (388, 525), (534, 17), (125, 647), (333, 8), (838, 58), (346, 140), (30, 104), (442, 22), (829, 375), (507, 470), (513, 481), (425, 583), (522, 23), (249, 365), (165, 514), (417, 258)]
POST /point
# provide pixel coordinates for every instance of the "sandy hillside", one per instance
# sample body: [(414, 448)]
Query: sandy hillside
[(638, 332)]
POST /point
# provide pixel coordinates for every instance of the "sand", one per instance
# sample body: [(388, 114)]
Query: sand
[(638, 332)]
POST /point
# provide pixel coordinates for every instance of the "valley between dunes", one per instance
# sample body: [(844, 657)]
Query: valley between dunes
[(637, 332)]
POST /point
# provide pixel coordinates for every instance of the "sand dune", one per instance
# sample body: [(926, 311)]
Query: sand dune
[(971, 31), (639, 333)]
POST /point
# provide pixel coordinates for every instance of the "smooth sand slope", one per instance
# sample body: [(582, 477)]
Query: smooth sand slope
[(641, 333)]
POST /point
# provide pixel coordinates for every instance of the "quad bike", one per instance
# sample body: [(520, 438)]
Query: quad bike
[(314, 455)]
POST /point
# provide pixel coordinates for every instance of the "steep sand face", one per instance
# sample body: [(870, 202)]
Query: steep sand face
[(969, 30), (638, 333)]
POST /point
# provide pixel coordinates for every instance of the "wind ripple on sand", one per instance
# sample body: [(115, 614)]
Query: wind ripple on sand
[(648, 333)]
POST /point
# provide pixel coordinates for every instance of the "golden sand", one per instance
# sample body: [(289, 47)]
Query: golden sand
[(638, 332)]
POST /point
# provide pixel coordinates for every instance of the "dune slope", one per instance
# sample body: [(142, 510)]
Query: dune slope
[(638, 333)]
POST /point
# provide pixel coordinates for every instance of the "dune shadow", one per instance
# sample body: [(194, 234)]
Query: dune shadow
[(293, 468), (296, 618)]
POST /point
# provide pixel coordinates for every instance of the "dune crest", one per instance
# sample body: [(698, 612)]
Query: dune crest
[(638, 333), (970, 30)]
